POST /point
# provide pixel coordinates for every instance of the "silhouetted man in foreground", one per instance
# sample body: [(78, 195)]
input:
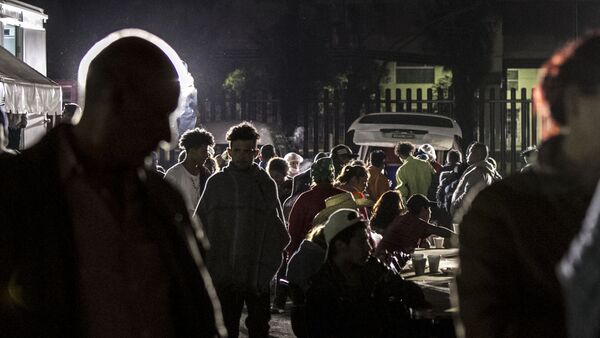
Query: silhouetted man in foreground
[(91, 243), (517, 230)]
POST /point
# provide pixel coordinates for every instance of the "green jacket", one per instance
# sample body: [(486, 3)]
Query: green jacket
[(414, 177)]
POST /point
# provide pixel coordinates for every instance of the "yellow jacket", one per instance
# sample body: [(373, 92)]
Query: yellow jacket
[(414, 177)]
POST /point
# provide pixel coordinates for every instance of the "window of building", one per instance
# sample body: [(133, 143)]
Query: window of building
[(10, 39), (415, 75), (512, 79)]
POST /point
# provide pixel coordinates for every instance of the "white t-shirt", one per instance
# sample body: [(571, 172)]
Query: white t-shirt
[(186, 183)]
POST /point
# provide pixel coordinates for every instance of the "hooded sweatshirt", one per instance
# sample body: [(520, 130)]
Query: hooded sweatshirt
[(245, 227)]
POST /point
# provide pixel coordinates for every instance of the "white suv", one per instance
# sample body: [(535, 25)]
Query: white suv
[(385, 130)]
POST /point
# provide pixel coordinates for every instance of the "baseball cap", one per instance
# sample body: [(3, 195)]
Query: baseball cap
[(342, 149), (418, 201), (337, 222)]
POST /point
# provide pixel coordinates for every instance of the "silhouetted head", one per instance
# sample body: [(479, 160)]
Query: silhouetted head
[(267, 152), (377, 158), (197, 144), (278, 168), (242, 140), (387, 207), (418, 205), (453, 157), (354, 176), (575, 67), (341, 155), (477, 152), (404, 149), (131, 88), (570, 91), (71, 112), (347, 238)]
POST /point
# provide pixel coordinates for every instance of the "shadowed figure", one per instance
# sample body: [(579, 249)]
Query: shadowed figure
[(93, 244), (517, 230)]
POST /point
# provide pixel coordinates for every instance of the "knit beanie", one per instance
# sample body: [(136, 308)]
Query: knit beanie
[(322, 170)]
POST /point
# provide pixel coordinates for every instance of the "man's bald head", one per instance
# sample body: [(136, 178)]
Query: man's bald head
[(133, 67), (131, 89)]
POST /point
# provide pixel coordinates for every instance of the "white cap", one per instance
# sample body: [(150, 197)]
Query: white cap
[(429, 150), (293, 157)]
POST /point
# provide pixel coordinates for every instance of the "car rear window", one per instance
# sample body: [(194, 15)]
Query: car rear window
[(417, 120), (390, 154)]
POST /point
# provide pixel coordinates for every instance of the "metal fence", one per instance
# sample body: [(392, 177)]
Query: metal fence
[(231, 106), (505, 120), (508, 124)]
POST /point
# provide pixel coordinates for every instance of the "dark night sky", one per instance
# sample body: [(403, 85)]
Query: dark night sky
[(199, 29), (73, 27)]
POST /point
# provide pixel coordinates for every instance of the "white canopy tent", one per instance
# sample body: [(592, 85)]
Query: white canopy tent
[(27, 92)]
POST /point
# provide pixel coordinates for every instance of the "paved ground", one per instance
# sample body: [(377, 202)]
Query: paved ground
[(280, 325)]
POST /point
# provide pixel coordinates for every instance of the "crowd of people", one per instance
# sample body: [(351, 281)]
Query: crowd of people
[(119, 248), (260, 250)]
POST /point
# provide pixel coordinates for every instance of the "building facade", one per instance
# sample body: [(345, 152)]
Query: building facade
[(24, 35), (31, 100)]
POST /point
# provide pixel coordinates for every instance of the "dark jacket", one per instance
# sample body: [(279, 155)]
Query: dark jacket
[(378, 308), (301, 183), (511, 239), (37, 251), (478, 176)]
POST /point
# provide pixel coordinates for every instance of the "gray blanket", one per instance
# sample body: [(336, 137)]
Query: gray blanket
[(245, 227)]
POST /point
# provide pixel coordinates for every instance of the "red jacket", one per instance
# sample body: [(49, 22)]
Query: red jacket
[(304, 210), (404, 233)]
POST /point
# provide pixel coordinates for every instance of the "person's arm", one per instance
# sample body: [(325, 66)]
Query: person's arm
[(295, 182), (202, 208), (440, 193), (279, 208), (457, 196), (488, 285), (296, 227), (432, 170), (401, 183), (473, 183), (443, 232), (462, 189), (439, 231), (211, 193)]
